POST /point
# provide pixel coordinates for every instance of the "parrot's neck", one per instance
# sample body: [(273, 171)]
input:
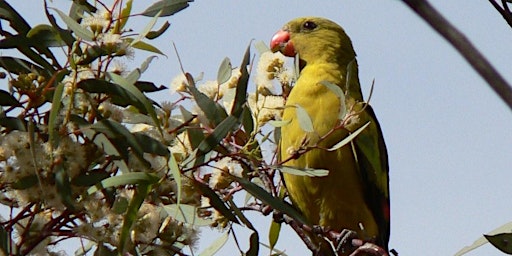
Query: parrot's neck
[(333, 73)]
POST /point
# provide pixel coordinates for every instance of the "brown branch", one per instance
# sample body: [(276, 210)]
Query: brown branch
[(503, 11), (464, 47)]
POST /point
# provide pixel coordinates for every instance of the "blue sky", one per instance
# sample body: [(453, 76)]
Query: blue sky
[(449, 136)]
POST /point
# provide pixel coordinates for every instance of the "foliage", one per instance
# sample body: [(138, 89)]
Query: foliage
[(84, 153)]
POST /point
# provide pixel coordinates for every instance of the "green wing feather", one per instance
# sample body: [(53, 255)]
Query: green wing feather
[(372, 159)]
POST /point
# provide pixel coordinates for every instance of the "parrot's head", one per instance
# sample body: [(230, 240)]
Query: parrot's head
[(314, 39)]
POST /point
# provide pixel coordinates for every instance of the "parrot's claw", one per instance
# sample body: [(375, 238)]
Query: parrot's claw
[(344, 241)]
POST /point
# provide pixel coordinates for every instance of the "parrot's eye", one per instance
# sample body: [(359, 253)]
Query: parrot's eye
[(309, 25)]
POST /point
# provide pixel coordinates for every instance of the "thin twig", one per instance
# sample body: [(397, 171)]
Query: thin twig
[(464, 47)]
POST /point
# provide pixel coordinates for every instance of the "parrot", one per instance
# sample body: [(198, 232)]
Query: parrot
[(354, 195)]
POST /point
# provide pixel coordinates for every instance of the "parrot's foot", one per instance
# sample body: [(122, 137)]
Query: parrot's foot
[(344, 240)]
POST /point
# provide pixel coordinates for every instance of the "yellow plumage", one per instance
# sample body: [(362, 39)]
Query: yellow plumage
[(355, 193)]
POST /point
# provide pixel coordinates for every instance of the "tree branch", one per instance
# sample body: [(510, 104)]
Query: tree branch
[(464, 47)]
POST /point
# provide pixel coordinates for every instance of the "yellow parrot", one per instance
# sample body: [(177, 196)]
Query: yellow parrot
[(355, 194)]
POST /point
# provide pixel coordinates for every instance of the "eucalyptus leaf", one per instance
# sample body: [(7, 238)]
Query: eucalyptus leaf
[(125, 15), (132, 178), (63, 186), (310, 172), (19, 66), (216, 202), (46, 36), (13, 123), (130, 216), (207, 105), (54, 111), (224, 72), (305, 122), (166, 7), (147, 29), (341, 96), (505, 228), (279, 123), (140, 97), (501, 241), (144, 46), (276, 203), (155, 34), (241, 86), (212, 140), (187, 214), (144, 66), (6, 99), (78, 29), (261, 47), (254, 245), (349, 138), (273, 234), (216, 245)]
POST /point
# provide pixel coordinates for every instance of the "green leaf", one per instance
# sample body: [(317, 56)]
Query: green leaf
[(349, 138), (339, 93), (19, 66), (502, 242), (13, 123), (187, 214), (144, 66), (64, 187), (310, 172), (131, 215), (131, 178), (241, 86), (506, 228), (254, 245), (154, 34), (5, 241), (102, 142), (145, 86), (261, 47), (125, 14), (147, 29), (138, 94), (75, 27), (305, 122), (120, 205), (147, 47), (114, 130), (216, 202), (176, 175), (6, 99), (120, 96), (350, 70), (25, 182), (212, 140), (167, 7), (224, 72), (150, 145), (247, 120), (89, 178), (216, 245), (273, 234), (280, 123), (267, 198), (46, 36), (91, 54), (54, 112), (207, 105)]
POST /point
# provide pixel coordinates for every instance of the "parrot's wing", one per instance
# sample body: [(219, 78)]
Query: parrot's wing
[(372, 159)]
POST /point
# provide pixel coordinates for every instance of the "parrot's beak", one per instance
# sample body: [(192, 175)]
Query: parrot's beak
[(281, 42)]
